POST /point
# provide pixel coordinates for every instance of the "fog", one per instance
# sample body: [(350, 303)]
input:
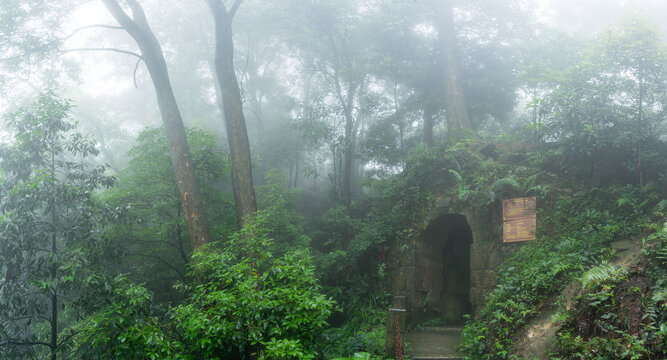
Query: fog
[(162, 158), (279, 53)]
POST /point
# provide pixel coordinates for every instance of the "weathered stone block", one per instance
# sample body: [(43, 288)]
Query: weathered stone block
[(403, 278), (494, 257), (479, 256), (477, 296), (430, 261), (482, 278), (484, 256)]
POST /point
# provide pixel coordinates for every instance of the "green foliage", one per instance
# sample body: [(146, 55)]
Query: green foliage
[(605, 272), (573, 236), (600, 348), (347, 244), (149, 231), (655, 248), (620, 317), (249, 301), (131, 326), (603, 122), (246, 303), (277, 204), (50, 226), (359, 356), (363, 331)]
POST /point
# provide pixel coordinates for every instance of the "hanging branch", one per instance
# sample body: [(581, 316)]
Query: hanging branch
[(65, 51), (235, 6), (90, 27), (136, 66)]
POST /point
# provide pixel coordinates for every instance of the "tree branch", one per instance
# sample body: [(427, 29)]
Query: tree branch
[(65, 51), (24, 343), (121, 17), (138, 13), (217, 9), (232, 10), (134, 74), (68, 337), (136, 66), (91, 27)]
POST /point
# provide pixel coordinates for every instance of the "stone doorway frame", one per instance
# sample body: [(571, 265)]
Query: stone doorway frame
[(442, 275)]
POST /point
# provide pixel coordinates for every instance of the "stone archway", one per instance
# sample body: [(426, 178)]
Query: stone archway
[(443, 271)]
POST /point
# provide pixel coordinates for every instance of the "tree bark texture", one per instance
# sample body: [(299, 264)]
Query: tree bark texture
[(54, 253), (430, 102), (428, 125), (188, 186), (232, 109), (348, 151), (346, 100), (455, 108)]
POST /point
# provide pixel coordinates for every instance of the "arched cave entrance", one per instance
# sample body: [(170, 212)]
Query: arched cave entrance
[(443, 271)]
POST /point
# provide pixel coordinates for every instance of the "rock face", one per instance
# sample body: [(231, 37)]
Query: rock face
[(446, 266)]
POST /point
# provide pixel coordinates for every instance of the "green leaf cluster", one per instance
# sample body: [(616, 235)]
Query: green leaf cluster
[(51, 225), (247, 302)]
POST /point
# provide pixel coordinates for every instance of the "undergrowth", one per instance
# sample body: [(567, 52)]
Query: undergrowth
[(362, 333), (623, 314), (574, 235)]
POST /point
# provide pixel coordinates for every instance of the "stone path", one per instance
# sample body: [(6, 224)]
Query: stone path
[(434, 343)]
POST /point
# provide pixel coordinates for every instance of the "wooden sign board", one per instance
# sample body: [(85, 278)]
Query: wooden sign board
[(519, 219), (519, 208), (519, 230)]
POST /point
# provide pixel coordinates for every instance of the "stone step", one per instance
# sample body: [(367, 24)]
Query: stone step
[(433, 343), (450, 330)]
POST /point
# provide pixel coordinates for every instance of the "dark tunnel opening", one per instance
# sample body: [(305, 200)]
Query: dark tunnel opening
[(444, 271)]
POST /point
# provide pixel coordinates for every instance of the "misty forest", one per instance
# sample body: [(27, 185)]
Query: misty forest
[(333, 179)]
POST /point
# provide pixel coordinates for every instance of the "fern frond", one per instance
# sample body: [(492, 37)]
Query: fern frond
[(458, 176), (604, 272), (662, 205), (622, 201), (505, 183)]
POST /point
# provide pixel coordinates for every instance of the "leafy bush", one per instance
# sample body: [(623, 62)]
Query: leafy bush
[(246, 303), (131, 326), (249, 302)]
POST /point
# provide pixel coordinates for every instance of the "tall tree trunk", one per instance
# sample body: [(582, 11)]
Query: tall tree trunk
[(54, 252), (428, 124), (640, 110), (430, 103), (237, 134), (348, 151), (455, 109), (193, 206), (296, 169), (54, 300), (346, 100)]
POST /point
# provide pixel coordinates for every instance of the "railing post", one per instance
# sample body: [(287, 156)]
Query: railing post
[(396, 328)]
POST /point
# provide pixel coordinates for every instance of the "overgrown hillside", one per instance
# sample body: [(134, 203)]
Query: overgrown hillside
[(581, 221), (575, 245)]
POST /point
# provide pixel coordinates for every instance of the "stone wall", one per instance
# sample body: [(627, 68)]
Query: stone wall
[(417, 263)]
